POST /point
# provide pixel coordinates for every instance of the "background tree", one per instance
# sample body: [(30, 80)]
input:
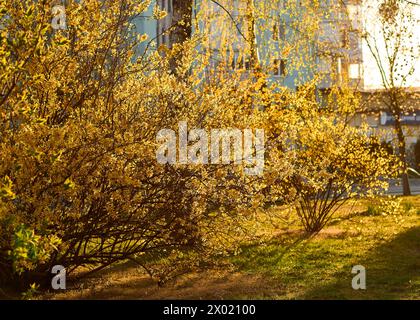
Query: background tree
[(395, 49)]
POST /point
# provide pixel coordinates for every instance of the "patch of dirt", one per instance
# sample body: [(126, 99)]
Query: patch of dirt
[(335, 233)]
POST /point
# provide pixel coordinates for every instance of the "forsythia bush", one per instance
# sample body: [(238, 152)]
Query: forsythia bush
[(79, 113), (320, 162)]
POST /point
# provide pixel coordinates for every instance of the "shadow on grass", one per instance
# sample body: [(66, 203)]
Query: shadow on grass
[(206, 285), (392, 272)]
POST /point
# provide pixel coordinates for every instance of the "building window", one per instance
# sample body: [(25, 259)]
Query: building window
[(279, 67), (276, 31), (344, 38), (354, 71), (240, 63), (279, 31), (354, 15), (282, 31), (236, 63)]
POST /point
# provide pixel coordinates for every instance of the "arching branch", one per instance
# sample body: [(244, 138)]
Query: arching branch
[(231, 17)]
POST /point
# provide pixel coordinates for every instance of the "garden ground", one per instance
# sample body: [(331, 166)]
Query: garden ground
[(286, 266)]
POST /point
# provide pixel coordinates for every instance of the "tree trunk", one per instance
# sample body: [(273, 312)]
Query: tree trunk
[(182, 17), (251, 35), (402, 155)]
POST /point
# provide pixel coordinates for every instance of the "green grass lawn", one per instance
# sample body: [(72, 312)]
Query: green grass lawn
[(387, 245), (284, 265), (321, 268)]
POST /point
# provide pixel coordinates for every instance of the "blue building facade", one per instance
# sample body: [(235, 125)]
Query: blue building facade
[(285, 49)]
